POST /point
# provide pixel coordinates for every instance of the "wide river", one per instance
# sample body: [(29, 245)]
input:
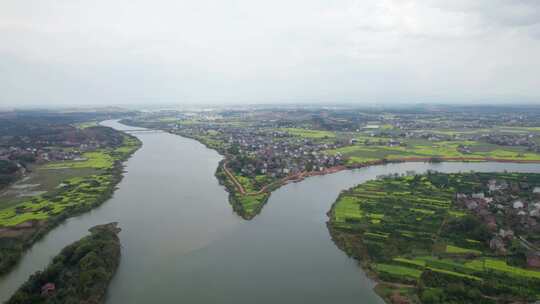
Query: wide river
[(183, 244)]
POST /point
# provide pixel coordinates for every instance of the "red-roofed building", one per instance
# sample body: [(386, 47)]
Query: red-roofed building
[(47, 289)]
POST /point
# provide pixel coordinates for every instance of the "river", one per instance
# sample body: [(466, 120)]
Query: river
[(183, 244)]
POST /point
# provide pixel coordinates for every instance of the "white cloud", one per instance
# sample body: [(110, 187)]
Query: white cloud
[(75, 51)]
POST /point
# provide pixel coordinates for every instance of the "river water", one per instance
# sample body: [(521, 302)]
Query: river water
[(183, 244)]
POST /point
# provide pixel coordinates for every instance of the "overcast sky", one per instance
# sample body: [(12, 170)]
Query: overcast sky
[(80, 52)]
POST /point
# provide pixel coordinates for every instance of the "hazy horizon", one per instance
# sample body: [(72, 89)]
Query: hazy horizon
[(100, 53)]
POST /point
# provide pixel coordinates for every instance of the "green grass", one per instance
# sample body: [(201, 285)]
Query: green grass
[(398, 270), (459, 250), (456, 274), (95, 160), (246, 183), (347, 209), (361, 153), (87, 124), (317, 134), (251, 204), (456, 213), (415, 262), (423, 211)]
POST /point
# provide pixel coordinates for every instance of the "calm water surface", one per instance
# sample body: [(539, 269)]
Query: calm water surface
[(182, 242)]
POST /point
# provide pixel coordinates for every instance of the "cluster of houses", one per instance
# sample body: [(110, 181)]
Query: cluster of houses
[(507, 214), (56, 143), (40, 155), (275, 153), (404, 122), (523, 140), (49, 144)]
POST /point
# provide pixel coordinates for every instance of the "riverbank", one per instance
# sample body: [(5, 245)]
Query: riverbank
[(81, 273), (249, 204), (250, 191), (27, 222), (246, 205), (217, 257)]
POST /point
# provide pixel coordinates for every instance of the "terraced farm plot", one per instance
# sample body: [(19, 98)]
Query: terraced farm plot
[(500, 266), (398, 270), (78, 192), (404, 231), (417, 210), (75, 192), (459, 250)]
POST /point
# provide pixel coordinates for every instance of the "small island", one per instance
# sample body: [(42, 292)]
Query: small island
[(445, 238), (79, 274)]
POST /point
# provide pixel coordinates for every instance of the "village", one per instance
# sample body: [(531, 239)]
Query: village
[(38, 144), (265, 148), (262, 151), (511, 212)]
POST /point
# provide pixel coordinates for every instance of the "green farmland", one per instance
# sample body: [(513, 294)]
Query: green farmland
[(76, 192), (409, 233), (23, 222), (361, 153), (315, 134)]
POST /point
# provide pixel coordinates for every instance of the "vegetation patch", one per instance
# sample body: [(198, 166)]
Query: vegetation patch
[(361, 153), (22, 224), (310, 133), (398, 270), (79, 274), (247, 205), (428, 232), (78, 192), (459, 250)]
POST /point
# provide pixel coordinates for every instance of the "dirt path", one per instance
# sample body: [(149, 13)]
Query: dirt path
[(233, 178)]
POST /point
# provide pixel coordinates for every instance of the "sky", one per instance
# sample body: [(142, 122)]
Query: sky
[(103, 52)]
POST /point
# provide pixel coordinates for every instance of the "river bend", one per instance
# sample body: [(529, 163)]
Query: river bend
[(183, 244)]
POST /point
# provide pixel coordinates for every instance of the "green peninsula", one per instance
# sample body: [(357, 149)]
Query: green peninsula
[(445, 238)]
